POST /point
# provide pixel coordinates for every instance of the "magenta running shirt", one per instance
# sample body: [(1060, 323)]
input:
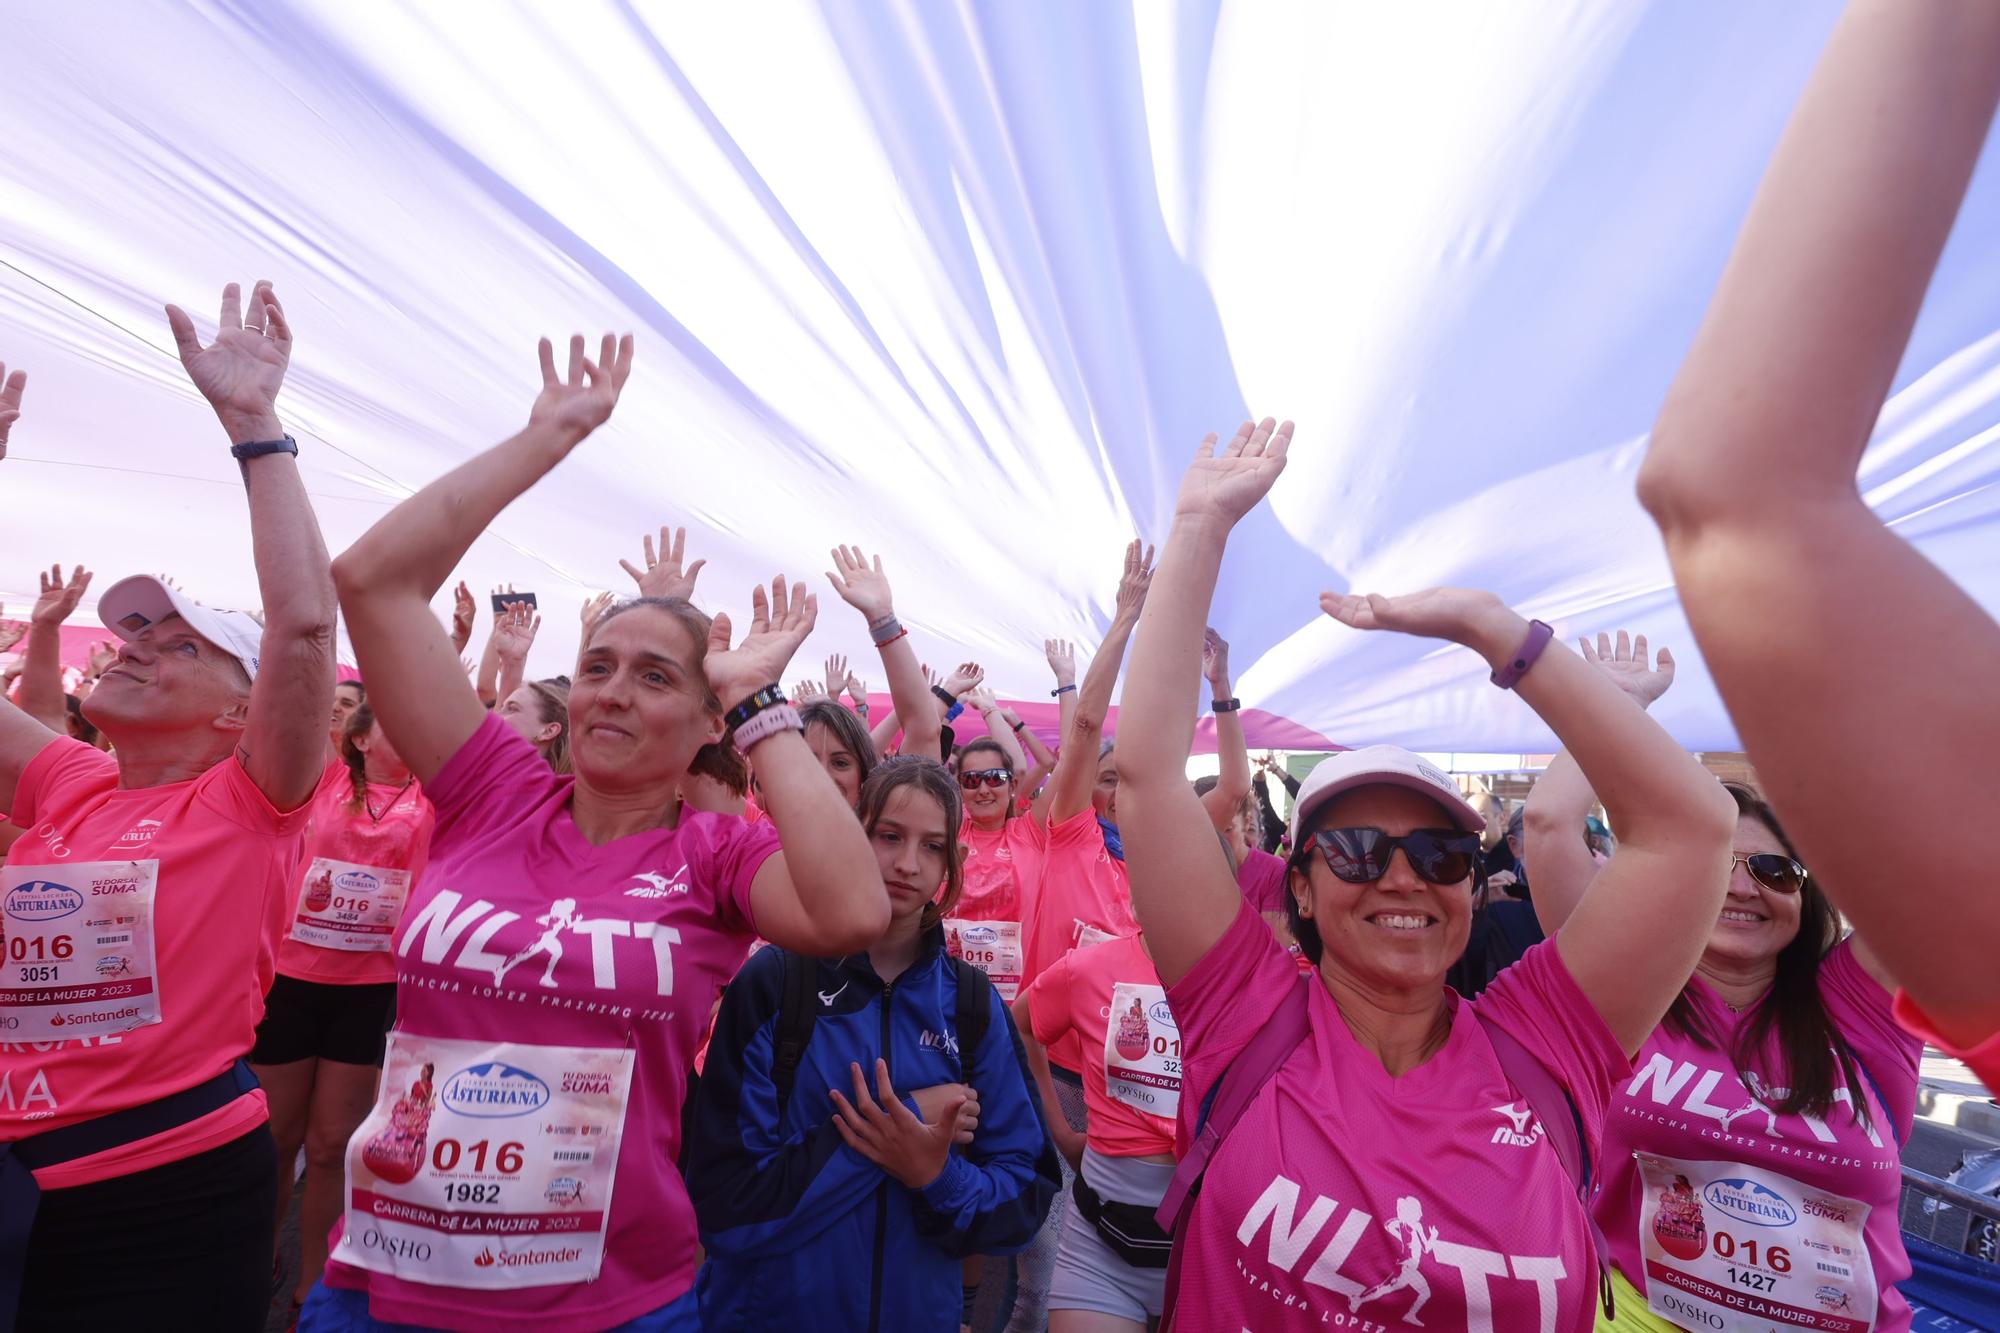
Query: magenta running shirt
[(522, 931), (1348, 1199), (1684, 1101)]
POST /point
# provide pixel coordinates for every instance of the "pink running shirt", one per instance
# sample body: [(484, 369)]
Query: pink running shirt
[(1003, 869), (1349, 1199), (1083, 887), (400, 839), (1687, 1102), (1073, 998), (1261, 878), (227, 863), (599, 968)]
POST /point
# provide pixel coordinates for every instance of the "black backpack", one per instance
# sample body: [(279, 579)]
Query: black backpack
[(798, 1011)]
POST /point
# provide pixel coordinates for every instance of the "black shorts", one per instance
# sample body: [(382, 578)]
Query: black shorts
[(315, 1020), (181, 1246)]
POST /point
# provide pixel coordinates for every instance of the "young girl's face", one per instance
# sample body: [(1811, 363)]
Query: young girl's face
[(912, 847)]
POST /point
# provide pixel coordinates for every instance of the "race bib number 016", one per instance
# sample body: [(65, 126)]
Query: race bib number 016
[(78, 954), (1142, 1050), (1732, 1247), (994, 947), (350, 907), (486, 1164)]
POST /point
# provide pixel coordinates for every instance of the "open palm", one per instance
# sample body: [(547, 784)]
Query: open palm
[(581, 402), (1462, 615), (1629, 665), (11, 388), (241, 372), (58, 599), (779, 623), (1227, 482)]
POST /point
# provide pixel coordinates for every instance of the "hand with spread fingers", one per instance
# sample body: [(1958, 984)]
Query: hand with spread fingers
[(514, 632), (1061, 654), (836, 675), (862, 584), (462, 610), (59, 598), (965, 677), (241, 372), (1227, 481), (663, 575), (592, 609), (884, 1131), (1628, 666), (779, 623), (1133, 583), (577, 404)]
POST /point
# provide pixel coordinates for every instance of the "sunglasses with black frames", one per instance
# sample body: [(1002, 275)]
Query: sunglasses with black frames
[(973, 778), (1361, 855)]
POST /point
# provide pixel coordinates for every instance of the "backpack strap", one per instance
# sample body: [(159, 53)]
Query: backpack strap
[(796, 1016), (975, 1014), (1874, 1086), (1230, 1096), (1562, 1122)]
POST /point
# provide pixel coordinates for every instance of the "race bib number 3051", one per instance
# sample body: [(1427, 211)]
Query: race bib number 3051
[(1142, 1050), (78, 952), (1732, 1247), (486, 1164)]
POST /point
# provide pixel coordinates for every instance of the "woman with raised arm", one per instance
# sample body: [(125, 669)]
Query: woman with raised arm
[(1388, 1158), (164, 870), (1782, 1022), (1227, 796), (556, 965), (1807, 608), (863, 586)]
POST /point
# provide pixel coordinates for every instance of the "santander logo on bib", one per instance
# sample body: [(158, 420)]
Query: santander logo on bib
[(495, 1089), (42, 900)]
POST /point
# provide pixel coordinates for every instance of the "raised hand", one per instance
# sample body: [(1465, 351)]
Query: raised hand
[(967, 675), (11, 635), (580, 403), (1062, 659), (103, 655), (779, 623), (857, 689), (980, 699), (807, 689), (462, 610), (241, 372), (1132, 584), (862, 585), (59, 599), (1214, 658), (910, 1150), (836, 675), (514, 632), (932, 678), (663, 575), (593, 608), (1226, 483), (11, 387), (1626, 664), (1479, 620)]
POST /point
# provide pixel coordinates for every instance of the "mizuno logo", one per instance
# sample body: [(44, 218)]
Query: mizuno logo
[(656, 885), (1517, 1132), (827, 999)]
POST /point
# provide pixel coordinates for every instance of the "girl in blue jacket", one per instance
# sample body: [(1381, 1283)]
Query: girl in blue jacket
[(863, 1124)]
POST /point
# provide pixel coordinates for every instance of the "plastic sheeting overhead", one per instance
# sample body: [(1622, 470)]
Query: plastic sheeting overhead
[(962, 283)]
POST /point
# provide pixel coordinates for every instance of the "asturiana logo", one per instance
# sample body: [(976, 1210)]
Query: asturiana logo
[(41, 900), (1161, 1014), (495, 1089), (1748, 1201), (356, 881), (980, 935)]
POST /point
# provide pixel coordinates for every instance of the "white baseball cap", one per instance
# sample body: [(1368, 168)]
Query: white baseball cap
[(130, 605), (1374, 764)]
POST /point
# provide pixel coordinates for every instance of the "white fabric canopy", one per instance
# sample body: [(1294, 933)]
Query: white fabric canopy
[(963, 283)]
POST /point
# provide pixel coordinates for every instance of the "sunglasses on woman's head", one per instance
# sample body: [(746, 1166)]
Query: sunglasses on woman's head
[(973, 778), (1361, 855), (1778, 873)]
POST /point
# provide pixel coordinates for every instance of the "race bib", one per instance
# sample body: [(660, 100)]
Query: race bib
[(994, 947), (79, 950), (1732, 1247), (486, 1164), (350, 907), (1089, 935), (1142, 1050)]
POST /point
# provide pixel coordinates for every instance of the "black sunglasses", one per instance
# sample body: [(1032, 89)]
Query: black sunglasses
[(1361, 855), (971, 778), (1778, 873)]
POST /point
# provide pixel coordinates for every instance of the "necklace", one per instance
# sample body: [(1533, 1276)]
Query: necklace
[(390, 804)]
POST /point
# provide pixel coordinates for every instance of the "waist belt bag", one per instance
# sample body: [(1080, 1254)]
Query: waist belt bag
[(1130, 1229)]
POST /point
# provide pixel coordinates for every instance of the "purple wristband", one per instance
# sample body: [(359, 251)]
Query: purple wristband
[(1525, 656)]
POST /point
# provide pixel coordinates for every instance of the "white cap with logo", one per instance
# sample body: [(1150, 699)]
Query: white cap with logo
[(1375, 764), (129, 606)]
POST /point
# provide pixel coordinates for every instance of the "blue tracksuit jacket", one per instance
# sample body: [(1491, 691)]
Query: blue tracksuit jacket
[(802, 1232)]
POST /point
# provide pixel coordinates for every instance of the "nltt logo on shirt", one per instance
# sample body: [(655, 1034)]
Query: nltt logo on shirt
[(939, 1041)]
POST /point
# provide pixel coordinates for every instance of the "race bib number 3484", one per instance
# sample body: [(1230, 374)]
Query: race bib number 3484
[(78, 952)]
